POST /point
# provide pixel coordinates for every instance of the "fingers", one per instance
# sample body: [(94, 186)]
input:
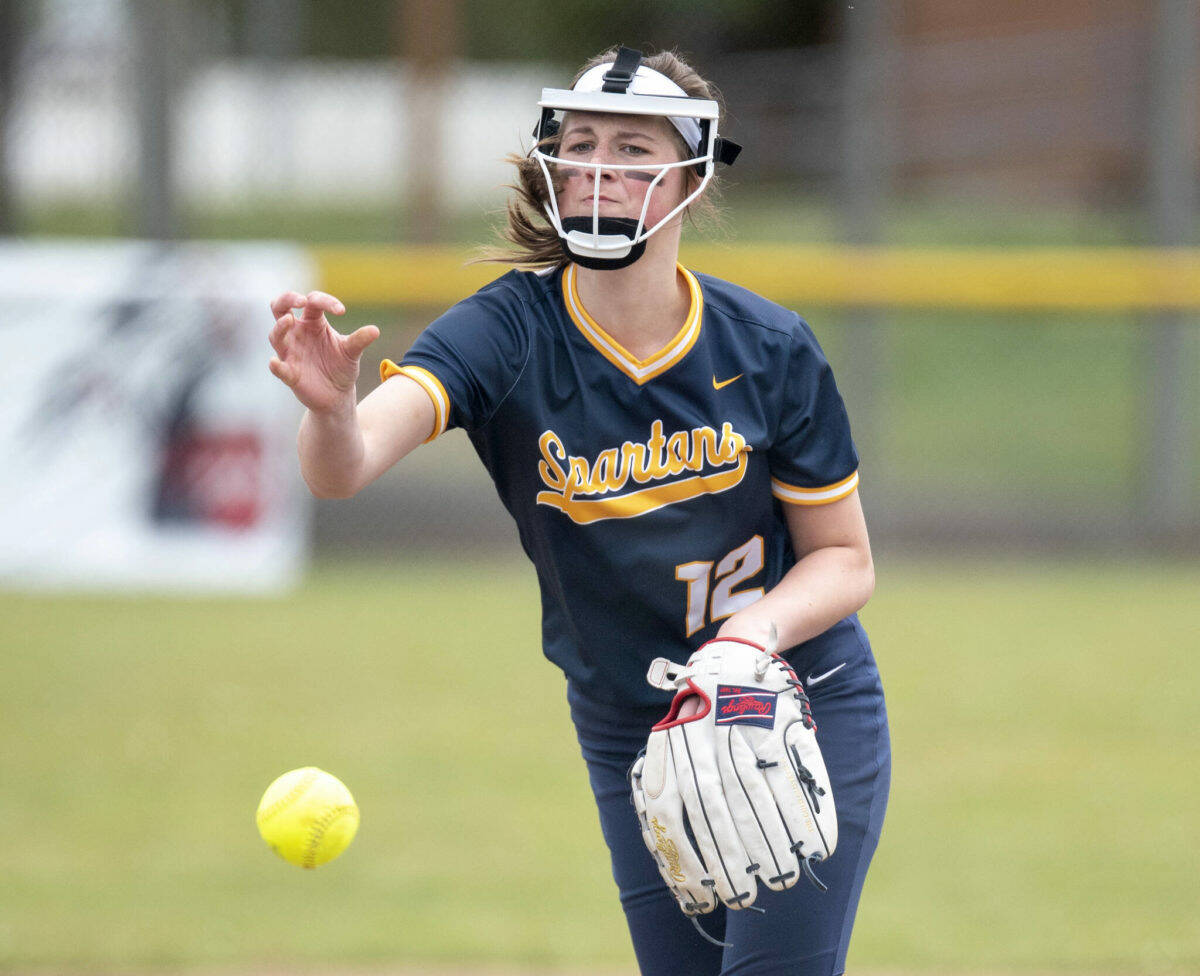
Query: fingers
[(283, 371), (286, 302), (312, 306), (316, 303), (278, 335), (357, 341)]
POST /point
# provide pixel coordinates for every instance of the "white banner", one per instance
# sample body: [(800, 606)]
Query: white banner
[(144, 444)]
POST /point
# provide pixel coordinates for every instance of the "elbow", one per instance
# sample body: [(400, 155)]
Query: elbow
[(323, 493), (329, 481), (866, 579), (327, 491)]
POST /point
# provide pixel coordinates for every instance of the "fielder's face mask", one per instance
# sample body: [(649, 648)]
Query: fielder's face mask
[(626, 87)]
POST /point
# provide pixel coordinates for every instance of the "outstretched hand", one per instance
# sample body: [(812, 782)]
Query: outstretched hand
[(311, 356)]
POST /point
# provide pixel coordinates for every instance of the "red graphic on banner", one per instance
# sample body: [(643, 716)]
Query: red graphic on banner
[(213, 478)]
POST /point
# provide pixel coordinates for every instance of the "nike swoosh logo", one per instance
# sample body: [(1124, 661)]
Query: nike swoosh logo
[(717, 386), (816, 679)]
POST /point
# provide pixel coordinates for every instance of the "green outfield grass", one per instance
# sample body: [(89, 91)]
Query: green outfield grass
[(1014, 411), (1042, 816)]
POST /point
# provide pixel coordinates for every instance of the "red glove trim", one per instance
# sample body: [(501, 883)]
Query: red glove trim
[(672, 718), (732, 640)]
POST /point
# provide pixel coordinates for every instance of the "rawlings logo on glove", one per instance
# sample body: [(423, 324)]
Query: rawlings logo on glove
[(733, 792), (745, 706)]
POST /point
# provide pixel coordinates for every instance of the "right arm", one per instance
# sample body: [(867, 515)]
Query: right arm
[(343, 447)]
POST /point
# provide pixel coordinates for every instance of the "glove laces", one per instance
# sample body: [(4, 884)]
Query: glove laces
[(695, 920)]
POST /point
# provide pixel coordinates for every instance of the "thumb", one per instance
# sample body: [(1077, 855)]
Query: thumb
[(358, 340)]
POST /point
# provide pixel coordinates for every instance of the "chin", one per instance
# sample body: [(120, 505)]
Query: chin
[(651, 219)]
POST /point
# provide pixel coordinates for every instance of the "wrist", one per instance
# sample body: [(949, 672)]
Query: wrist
[(752, 629), (340, 411)]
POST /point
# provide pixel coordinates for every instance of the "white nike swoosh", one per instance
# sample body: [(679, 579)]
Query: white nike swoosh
[(816, 679)]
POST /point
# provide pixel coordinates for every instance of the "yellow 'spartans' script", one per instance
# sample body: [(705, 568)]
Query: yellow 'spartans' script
[(719, 461)]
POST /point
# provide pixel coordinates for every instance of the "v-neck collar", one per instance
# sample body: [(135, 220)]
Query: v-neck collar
[(638, 370)]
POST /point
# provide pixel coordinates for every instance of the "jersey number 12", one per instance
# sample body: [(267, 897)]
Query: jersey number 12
[(710, 593)]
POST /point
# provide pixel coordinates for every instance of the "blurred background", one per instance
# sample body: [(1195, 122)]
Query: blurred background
[(1013, 131), (987, 212)]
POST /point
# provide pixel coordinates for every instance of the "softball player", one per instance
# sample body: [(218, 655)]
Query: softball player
[(678, 461)]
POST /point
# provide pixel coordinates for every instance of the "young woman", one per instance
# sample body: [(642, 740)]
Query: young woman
[(678, 461)]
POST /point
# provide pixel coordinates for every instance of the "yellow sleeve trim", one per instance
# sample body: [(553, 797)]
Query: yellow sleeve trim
[(430, 384), (814, 496), (387, 369)]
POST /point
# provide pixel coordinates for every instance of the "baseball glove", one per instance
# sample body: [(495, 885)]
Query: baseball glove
[(738, 790)]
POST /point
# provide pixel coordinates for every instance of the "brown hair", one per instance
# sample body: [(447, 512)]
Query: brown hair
[(530, 241)]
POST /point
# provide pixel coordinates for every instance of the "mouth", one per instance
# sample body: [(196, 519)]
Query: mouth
[(603, 199)]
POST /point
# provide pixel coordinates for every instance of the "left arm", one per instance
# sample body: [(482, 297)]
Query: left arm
[(833, 577)]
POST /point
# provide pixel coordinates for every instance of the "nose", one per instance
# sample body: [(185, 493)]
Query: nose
[(590, 175), (603, 156)]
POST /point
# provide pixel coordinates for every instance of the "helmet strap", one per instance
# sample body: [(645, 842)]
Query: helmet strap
[(619, 77)]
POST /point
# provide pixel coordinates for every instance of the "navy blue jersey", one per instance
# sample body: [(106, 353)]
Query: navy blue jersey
[(647, 493)]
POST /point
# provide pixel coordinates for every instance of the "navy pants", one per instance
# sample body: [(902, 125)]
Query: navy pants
[(805, 932)]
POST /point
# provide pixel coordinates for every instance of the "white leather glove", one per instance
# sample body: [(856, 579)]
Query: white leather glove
[(737, 792)]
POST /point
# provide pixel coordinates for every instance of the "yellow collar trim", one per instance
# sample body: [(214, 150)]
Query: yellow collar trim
[(638, 370)]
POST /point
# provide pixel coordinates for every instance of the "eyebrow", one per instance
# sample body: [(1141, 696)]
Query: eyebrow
[(621, 134)]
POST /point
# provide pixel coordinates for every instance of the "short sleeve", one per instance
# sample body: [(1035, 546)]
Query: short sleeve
[(813, 460), (468, 359)]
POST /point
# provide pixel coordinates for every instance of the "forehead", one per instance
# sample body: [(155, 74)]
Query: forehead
[(606, 122)]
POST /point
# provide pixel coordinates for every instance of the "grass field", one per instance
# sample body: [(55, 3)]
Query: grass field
[(1042, 817)]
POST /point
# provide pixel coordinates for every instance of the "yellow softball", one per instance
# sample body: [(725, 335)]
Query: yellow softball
[(307, 816)]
